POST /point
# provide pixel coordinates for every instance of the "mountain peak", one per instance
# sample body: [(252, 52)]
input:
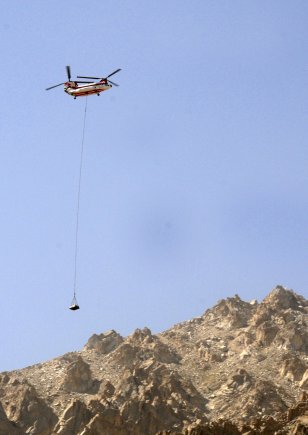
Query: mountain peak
[(239, 365), (282, 298)]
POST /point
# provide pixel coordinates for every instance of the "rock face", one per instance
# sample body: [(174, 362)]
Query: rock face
[(292, 422), (7, 426), (240, 368), (23, 408), (104, 343), (78, 377)]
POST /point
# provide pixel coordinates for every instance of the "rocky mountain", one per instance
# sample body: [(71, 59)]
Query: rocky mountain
[(240, 368)]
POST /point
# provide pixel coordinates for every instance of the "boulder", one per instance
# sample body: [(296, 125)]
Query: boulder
[(78, 378), (73, 419), (104, 343), (293, 368), (266, 333), (7, 427)]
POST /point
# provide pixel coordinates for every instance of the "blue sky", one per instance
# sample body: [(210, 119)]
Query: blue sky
[(195, 171)]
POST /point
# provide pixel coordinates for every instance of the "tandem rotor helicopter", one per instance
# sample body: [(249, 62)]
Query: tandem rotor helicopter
[(71, 87)]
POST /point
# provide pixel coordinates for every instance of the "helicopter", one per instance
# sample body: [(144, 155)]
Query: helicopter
[(71, 87)]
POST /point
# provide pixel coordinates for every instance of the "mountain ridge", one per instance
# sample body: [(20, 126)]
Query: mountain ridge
[(240, 363)]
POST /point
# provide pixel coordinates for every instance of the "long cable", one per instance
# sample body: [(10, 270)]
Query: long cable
[(78, 198)]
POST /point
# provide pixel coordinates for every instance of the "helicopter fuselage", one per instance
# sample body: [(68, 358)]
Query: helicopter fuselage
[(72, 88)]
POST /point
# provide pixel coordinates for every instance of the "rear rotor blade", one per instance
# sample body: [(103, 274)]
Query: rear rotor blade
[(68, 71), (114, 72), (85, 77), (114, 84), (55, 86), (99, 78), (82, 81)]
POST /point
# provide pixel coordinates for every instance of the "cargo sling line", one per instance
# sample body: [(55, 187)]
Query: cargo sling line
[(74, 304)]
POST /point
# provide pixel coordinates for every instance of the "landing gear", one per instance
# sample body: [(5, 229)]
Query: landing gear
[(75, 98), (98, 95)]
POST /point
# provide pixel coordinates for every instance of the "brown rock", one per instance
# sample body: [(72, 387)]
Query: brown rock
[(240, 380), (281, 299), (109, 422), (25, 409), (74, 419), (104, 343), (78, 378), (142, 345), (304, 381), (266, 333), (231, 312), (293, 368), (6, 426)]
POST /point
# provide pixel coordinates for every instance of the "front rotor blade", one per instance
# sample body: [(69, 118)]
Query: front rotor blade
[(68, 71), (85, 77), (114, 84), (55, 86), (114, 72)]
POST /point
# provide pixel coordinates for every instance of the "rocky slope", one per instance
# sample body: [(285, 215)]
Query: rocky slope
[(239, 368)]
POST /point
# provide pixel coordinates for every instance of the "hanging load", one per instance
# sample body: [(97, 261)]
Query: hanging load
[(74, 304)]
